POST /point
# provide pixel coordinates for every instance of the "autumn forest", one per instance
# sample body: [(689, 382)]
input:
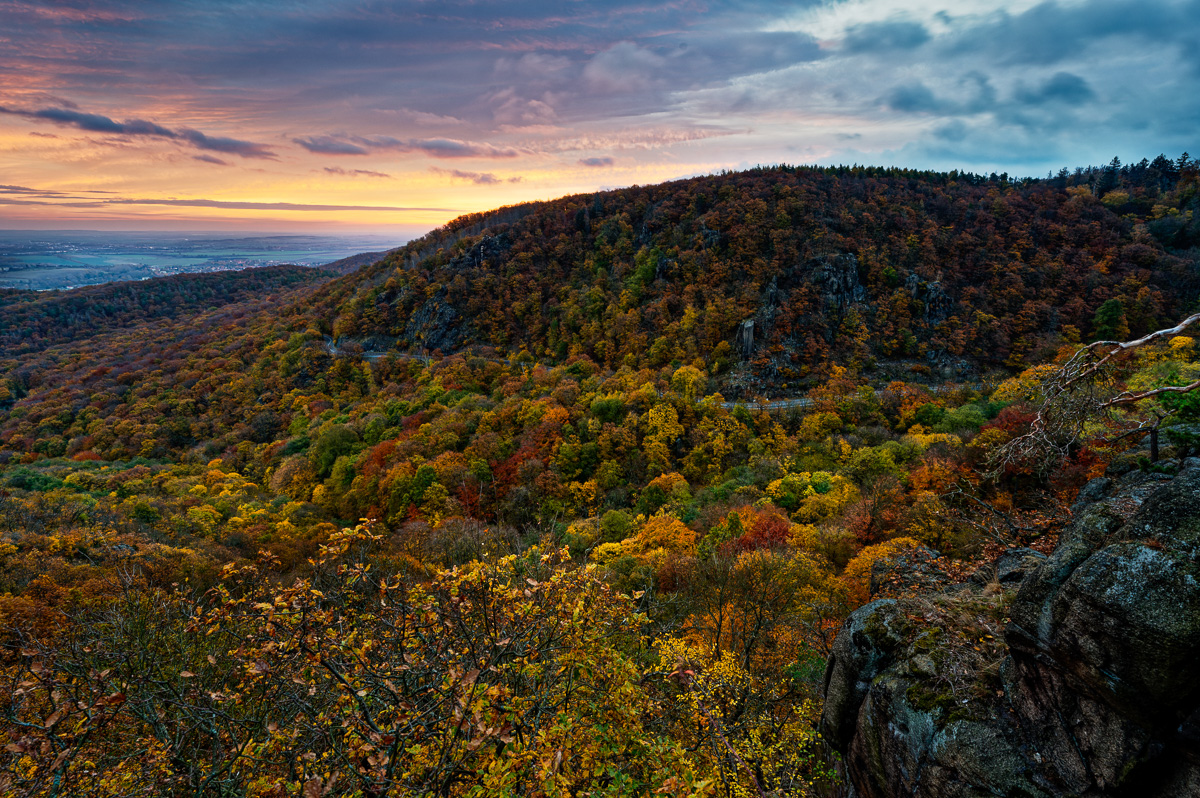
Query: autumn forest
[(567, 498)]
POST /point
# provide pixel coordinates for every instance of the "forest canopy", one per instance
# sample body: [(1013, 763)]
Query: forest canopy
[(566, 497)]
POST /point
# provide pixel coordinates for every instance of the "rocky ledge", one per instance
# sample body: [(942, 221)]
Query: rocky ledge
[(1076, 674)]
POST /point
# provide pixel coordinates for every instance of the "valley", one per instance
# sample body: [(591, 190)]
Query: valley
[(691, 489)]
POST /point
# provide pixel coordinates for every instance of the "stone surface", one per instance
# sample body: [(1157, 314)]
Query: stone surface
[(1098, 690)]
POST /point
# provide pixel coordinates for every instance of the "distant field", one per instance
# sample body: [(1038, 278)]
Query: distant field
[(43, 260)]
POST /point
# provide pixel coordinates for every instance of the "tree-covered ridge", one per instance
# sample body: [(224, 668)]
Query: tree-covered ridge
[(826, 263), (31, 321)]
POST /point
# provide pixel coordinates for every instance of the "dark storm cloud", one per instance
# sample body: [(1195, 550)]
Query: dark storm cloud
[(96, 123)]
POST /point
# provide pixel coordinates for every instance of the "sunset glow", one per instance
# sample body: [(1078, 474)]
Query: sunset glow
[(397, 116)]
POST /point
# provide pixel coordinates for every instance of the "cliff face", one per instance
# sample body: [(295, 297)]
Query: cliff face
[(1073, 675)]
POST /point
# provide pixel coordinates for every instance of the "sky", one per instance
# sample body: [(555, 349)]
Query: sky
[(395, 117)]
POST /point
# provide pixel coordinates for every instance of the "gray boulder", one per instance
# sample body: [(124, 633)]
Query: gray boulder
[(1097, 687)]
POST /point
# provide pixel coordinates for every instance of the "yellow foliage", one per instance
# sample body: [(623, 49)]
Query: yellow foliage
[(813, 496), (772, 738), (607, 552), (817, 426), (662, 423), (857, 575), (805, 537), (928, 520), (922, 439), (1026, 386), (673, 484), (661, 531), (586, 496), (1182, 348), (688, 381)]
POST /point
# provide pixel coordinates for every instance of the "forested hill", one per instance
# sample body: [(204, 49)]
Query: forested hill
[(33, 320), (796, 266)]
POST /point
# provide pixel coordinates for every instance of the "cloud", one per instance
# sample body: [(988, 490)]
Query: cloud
[(262, 206), (97, 123), (940, 82), (328, 145), (453, 148), (337, 170), (596, 162), (511, 109), (1062, 87), (48, 193), (210, 159), (890, 35), (246, 149), (1051, 32), (913, 98), (478, 178), (34, 196), (625, 67), (435, 148)]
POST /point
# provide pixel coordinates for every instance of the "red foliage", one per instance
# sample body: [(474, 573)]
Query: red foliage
[(1014, 419), (377, 459), (769, 531)]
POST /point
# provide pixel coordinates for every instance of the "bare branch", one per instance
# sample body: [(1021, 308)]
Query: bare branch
[(1128, 398), (1079, 392)]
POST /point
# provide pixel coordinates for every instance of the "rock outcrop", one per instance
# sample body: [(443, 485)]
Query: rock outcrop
[(836, 280), (1072, 675), (435, 325)]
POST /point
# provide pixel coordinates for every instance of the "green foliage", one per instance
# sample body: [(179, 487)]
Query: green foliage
[(1109, 322)]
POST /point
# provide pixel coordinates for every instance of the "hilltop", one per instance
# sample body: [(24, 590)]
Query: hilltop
[(765, 276)]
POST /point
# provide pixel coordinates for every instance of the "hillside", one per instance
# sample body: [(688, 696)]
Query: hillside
[(430, 524), (37, 320), (764, 276)]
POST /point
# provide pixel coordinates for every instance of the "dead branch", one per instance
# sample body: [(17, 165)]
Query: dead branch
[(1078, 392)]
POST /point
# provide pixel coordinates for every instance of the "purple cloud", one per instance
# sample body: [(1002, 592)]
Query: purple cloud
[(328, 145), (98, 123)]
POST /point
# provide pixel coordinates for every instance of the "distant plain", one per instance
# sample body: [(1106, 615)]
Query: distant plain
[(44, 260)]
